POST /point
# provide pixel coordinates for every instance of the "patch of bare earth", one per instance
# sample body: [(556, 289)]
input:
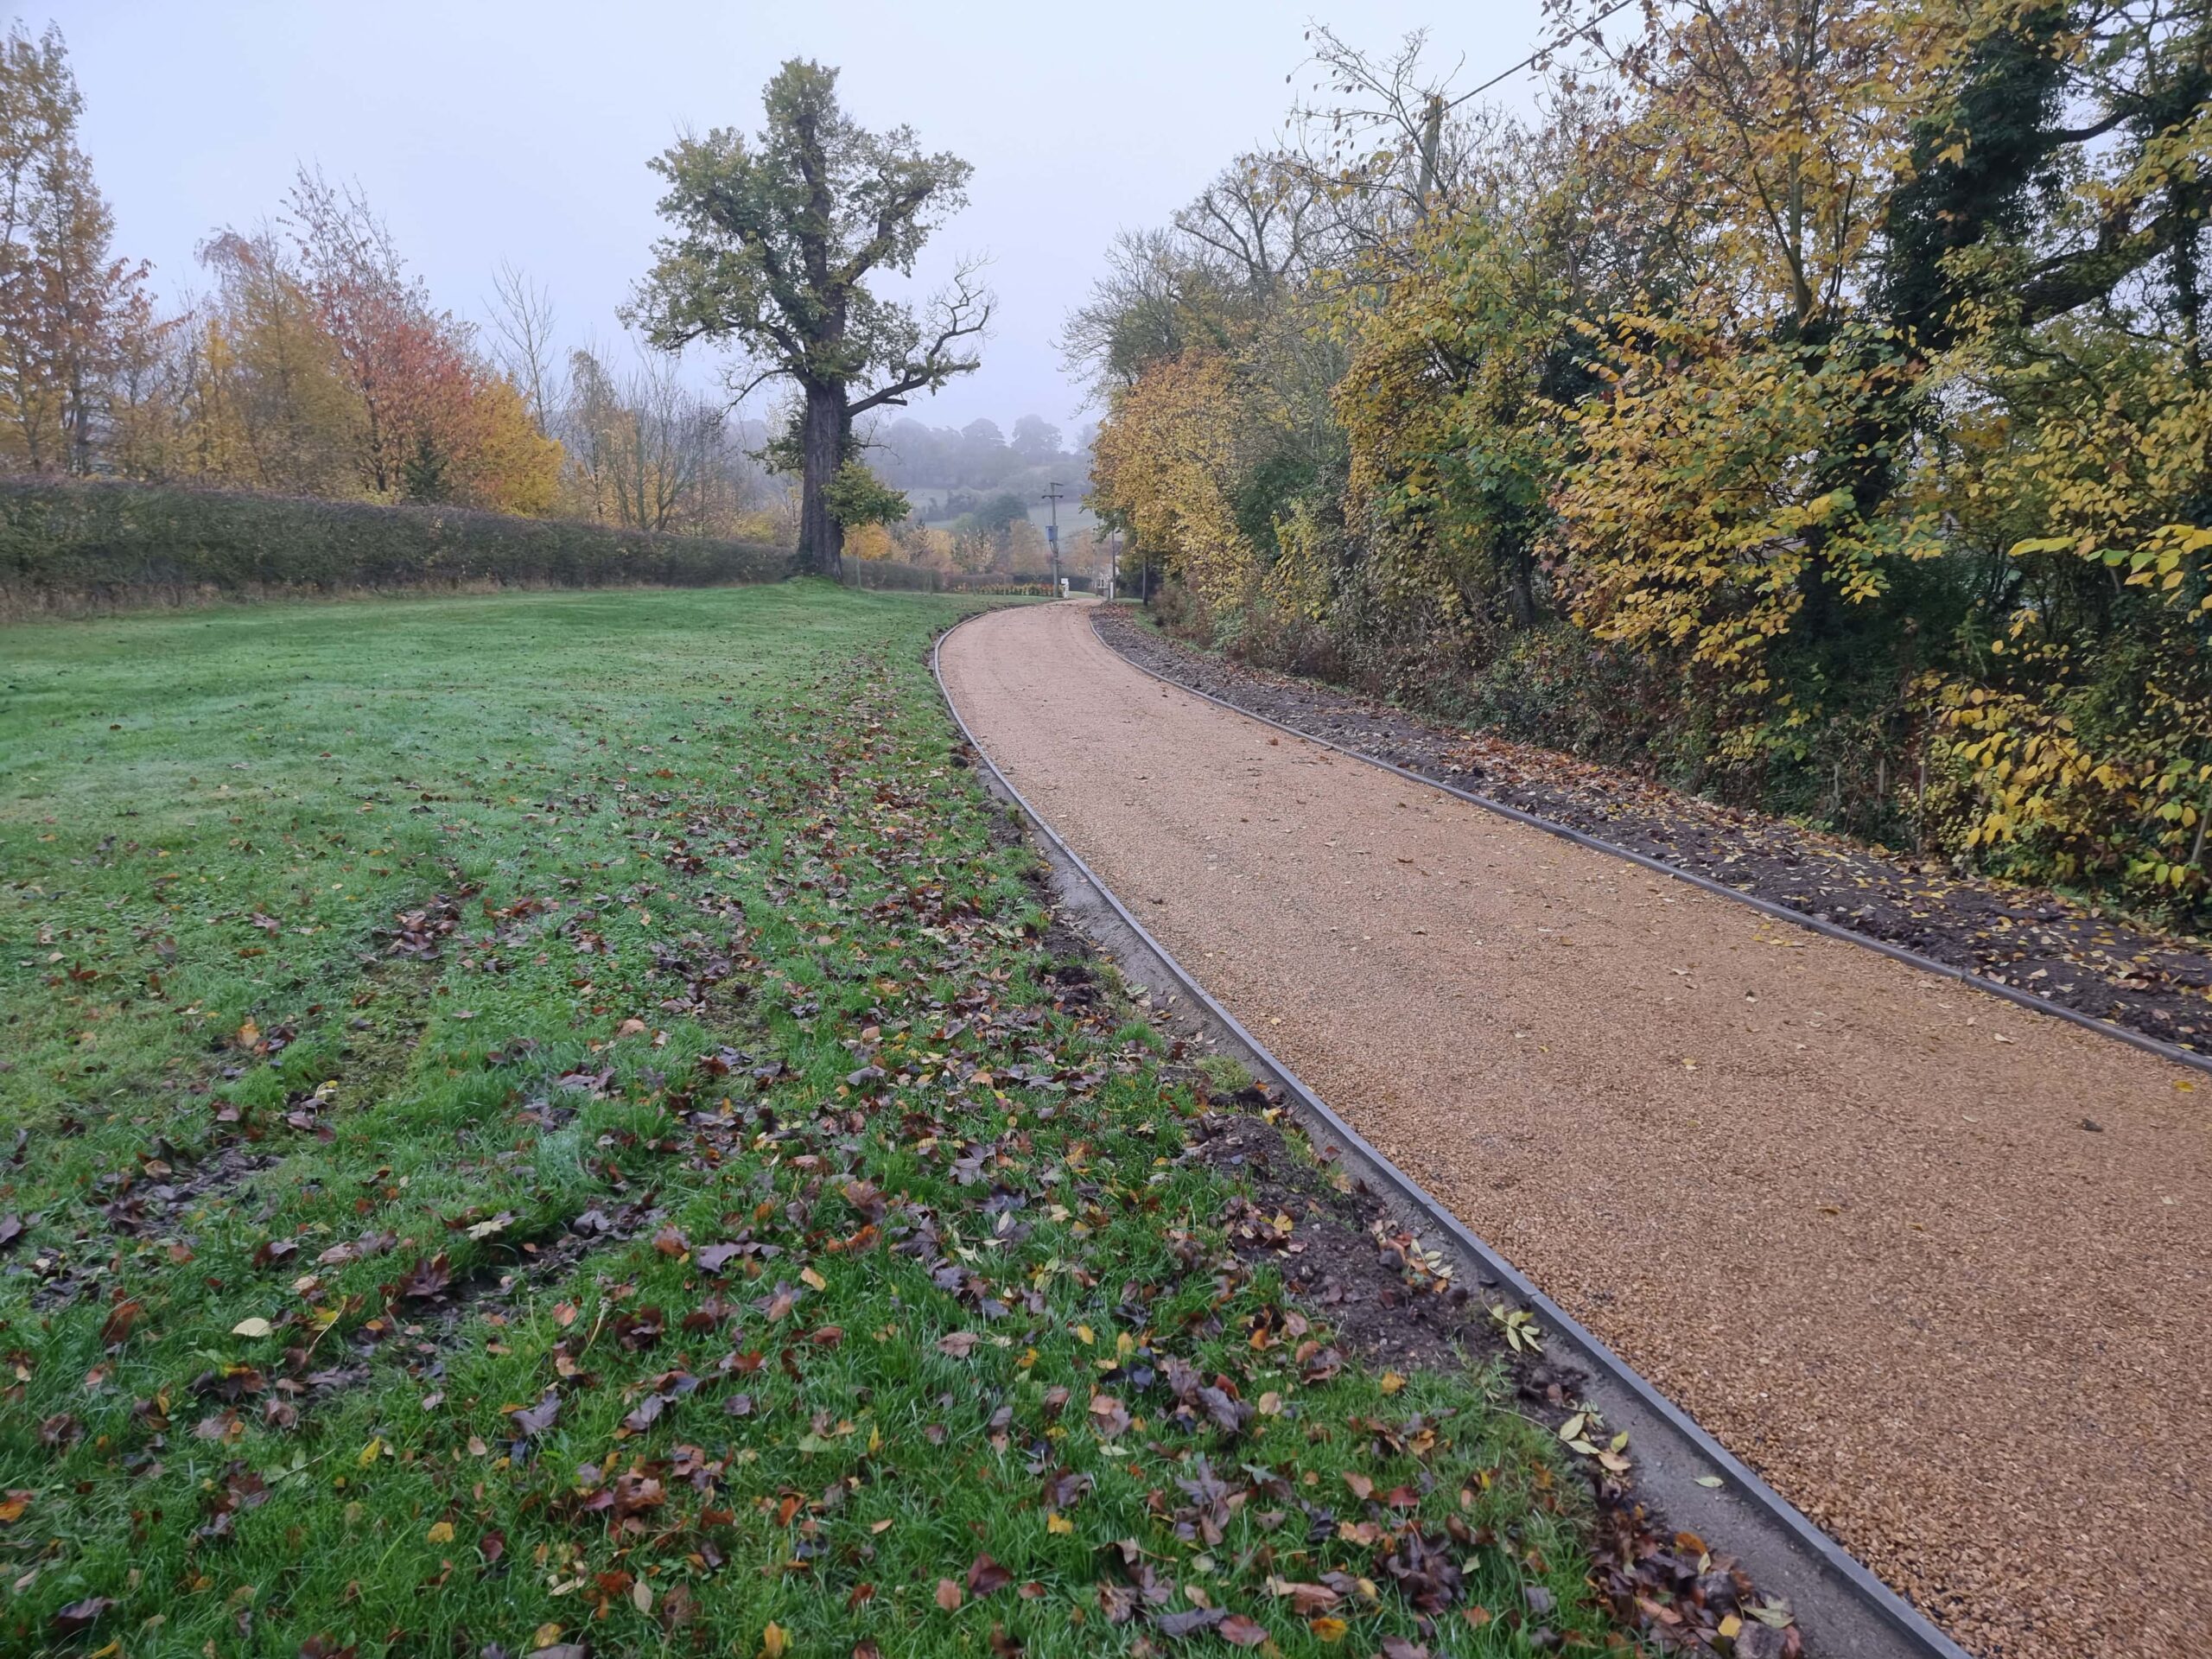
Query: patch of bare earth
[(1936, 1264)]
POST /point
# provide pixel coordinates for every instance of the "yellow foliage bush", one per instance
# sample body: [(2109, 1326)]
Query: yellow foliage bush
[(1167, 458), (1697, 521), (871, 542)]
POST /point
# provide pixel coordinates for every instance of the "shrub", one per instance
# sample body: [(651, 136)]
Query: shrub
[(1183, 612), (75, 546), (881, 573), (1272, 636)]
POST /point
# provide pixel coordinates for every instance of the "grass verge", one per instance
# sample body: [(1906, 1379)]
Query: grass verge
[(547, 1123)]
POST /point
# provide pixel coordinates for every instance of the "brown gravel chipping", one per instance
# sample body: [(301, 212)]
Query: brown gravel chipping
[(2036, 942), (1937, 1266)]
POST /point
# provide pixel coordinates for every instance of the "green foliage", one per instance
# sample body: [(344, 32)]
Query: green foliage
[(1270, 487), (1835, 373), (856, 496), (75, 546), (774, 240), (1975, 155), (1001, 513), (775, 234), (423, 474)]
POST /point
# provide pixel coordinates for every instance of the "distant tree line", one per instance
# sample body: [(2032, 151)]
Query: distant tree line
[(972, 493), (977, 456), (1810, 406), (315, 363)]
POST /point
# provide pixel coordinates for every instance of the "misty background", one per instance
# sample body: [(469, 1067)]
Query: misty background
[(492, 132)]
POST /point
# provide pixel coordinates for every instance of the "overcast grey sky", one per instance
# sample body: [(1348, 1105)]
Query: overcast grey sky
[(486, 130)]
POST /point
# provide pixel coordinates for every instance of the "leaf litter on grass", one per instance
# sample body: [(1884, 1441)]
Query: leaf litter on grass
[(788, 1251)]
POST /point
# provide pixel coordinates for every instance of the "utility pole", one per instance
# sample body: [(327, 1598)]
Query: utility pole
[(1432, 133), (1052, 532)]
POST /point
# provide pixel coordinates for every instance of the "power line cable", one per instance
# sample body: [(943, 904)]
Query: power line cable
[(1540, 53)]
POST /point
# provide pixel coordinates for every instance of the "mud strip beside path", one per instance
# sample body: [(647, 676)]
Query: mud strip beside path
[(1937, 1266)]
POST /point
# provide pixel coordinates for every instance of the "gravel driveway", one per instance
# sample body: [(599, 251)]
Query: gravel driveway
[(1937, 1265)]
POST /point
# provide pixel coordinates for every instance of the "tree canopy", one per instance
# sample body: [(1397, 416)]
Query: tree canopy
[(1811, 406), (774, 239)]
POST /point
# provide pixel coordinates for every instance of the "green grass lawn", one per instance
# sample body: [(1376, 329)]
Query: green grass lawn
[(543, 1120)]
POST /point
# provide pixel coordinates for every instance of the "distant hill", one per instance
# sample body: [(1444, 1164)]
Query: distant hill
[(941, 504)]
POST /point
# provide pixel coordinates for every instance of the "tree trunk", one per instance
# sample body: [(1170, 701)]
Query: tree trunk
[(80, 430), (1522, 584), (823, 438)]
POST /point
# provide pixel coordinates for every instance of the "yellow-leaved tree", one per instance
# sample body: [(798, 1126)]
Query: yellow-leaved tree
[(1166, 461), (870, 542), (501, 460)]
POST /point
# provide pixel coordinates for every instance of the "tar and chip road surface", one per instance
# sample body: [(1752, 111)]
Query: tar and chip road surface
[(1850, 1215)]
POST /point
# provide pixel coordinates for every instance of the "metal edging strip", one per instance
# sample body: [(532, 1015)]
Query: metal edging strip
[(1892, 1609), (2143, 1040)]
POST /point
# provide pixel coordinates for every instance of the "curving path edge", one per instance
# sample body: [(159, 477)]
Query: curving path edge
[(1853, 1218)]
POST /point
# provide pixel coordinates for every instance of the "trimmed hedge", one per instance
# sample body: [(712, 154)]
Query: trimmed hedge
[(75, 545), (889, 573)]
